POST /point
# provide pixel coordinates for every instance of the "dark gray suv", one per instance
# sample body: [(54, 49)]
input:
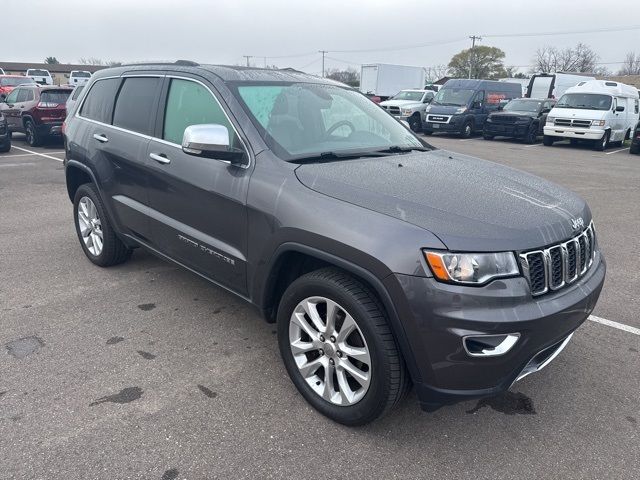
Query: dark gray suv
[(383, 261)]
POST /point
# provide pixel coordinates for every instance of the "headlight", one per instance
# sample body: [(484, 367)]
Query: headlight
[(550, 120), (597, 123), (489, 119), (407, 111), (471, 268), (428, 109), (461, 110)]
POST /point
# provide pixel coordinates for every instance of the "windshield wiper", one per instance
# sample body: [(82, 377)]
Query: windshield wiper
[(327, 156), (398, 149)]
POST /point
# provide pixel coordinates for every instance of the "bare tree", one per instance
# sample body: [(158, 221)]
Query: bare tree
[(436, 73), (580, 58), (91, 61), (631, 65), (350, 76)]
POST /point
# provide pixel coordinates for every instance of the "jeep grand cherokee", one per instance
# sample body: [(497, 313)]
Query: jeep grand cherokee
[(383, 260)]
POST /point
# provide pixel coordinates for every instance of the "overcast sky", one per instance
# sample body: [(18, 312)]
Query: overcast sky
[(219, 31)]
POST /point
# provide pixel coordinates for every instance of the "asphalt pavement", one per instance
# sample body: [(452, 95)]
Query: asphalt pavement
[(146, 371)]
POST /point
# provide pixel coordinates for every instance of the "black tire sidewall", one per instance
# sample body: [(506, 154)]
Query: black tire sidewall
[(32, 138), (372, 404)]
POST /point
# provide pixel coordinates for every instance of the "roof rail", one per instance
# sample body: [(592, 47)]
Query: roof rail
[(183, 63)]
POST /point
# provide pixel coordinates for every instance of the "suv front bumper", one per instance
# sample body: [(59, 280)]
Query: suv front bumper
[(573, 132), (437, 316)]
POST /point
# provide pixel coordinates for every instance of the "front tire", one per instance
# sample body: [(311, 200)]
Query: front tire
[(532, 134), (602, 144), (338, 348), (415, 123), (467, 130), (95, 233), (547, 140)]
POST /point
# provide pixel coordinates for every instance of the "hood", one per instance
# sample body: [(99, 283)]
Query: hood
[(579, 113), (513, 113), (400, 103), (470, 204)]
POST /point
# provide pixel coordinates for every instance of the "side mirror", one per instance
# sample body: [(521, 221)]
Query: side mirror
[(500, 107), (476, 104), (211, 141), (545, 110), (619, 108)]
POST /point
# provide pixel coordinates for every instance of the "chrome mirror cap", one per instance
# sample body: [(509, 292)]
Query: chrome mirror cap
[(211, 140)]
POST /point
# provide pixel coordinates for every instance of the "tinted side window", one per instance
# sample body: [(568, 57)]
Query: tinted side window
[(77, 92), (136, 104), (98, 104), (189, 103)]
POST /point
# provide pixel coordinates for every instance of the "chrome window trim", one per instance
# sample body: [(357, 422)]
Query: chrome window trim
[(161, 140), (590, 242)]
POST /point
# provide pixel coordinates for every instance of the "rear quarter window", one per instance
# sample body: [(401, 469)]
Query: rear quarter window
[(98, 104)]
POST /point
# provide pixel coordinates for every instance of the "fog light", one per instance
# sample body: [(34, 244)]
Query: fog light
[(489, 345)]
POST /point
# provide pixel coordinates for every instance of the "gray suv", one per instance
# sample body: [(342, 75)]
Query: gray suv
[(384, 261)]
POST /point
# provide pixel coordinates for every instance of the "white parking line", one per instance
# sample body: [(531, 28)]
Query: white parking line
[(40, 154), (16, 155), (617, 151), (466, 139), (619, 326), (534, 145)]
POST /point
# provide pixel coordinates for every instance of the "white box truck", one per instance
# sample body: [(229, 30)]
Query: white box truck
[(385, 80), (601, 111), (553, 85)]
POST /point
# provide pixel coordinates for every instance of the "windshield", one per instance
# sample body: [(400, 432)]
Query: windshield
[(523, 106), (81, 74), (455, 97), (39, 73), (304, 119), (587, 101), (15, 81), (408, 95)]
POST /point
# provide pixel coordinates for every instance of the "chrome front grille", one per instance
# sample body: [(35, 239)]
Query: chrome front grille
[(559, 265), (567, 122)]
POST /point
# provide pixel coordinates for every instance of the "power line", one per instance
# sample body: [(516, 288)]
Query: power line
[(570, 32)]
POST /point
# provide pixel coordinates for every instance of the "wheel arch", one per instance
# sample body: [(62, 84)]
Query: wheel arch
[(291, 260), (77, 174)]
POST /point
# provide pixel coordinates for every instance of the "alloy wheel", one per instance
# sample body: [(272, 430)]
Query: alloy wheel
[(330, 351), (90, 226)]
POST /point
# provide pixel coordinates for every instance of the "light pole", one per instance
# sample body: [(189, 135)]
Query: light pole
[(248, 57), (323, 52), (472, 54)]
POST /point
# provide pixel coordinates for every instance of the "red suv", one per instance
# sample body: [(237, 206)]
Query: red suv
[(9, 82), (36, 111)]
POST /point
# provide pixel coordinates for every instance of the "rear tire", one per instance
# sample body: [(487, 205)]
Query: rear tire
[(31, 133), (428, 133), (415, 123), (602, 144), (6, 146), (634, 148), (547, 140), (387, 376), (488, 137), (97, 238)]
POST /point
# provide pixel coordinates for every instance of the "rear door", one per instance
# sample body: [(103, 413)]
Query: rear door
[(198, 205), (11, 110), (120, 114)]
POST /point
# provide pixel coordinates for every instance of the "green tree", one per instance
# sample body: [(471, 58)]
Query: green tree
[(51, 61), (350, 76), (481, 61)]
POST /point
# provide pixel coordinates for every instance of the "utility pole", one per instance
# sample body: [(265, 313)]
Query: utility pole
[(323, 52), (472, 55), (248, 57)]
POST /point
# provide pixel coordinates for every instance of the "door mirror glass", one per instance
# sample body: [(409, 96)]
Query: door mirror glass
[(619, 108), (212, 141)]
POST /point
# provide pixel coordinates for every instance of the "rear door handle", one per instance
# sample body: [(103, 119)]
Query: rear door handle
[(160, 158), (100, 138)]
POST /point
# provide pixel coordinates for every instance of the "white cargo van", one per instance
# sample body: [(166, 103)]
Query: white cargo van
[(385, 80), (596, 110), (41, 76), (553, 85)]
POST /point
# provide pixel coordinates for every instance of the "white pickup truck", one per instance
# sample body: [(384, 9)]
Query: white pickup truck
[(41, 76), (408, 105)]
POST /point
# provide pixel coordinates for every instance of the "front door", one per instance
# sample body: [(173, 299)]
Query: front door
[(198, 205)]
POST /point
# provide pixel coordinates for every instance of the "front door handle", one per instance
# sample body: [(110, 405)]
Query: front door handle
[(160, 158), (100, 138)]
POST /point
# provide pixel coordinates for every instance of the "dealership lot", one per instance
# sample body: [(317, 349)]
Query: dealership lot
[(146, 371)]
